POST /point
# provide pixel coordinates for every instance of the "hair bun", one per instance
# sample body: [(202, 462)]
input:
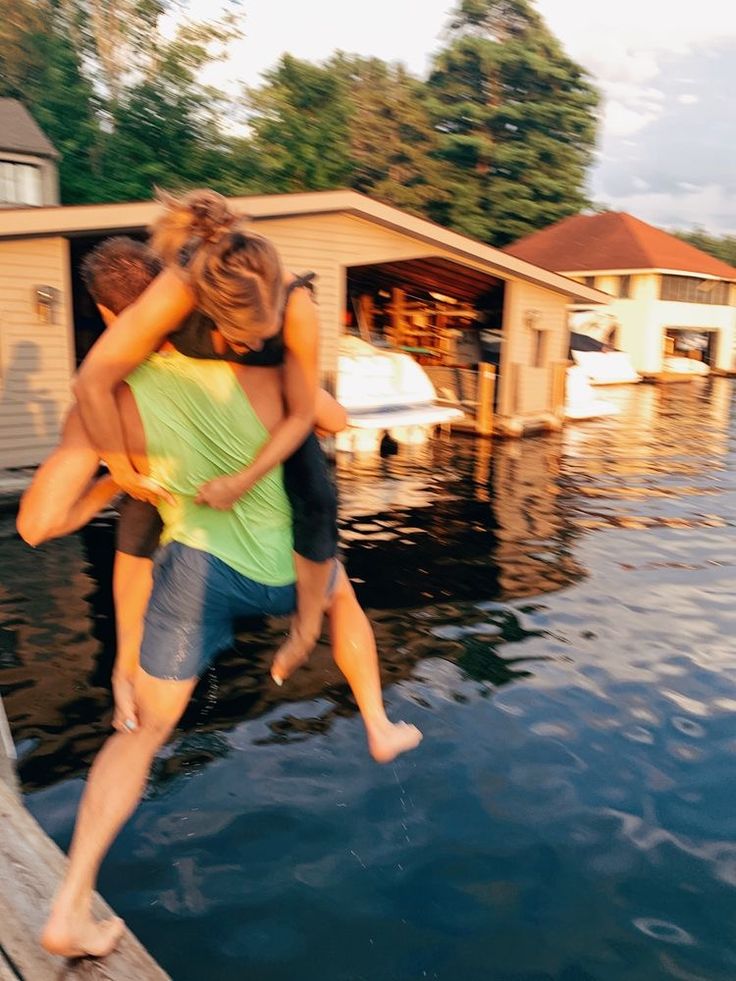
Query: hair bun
[(196, 217), (211, 216)]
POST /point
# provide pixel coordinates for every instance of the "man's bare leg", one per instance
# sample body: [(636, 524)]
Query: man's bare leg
[(354, 651), (312, 579), (132, 582), (114, 789), (64, 494)]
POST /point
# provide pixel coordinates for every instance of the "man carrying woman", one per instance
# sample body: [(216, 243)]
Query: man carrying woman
[(183, 424)]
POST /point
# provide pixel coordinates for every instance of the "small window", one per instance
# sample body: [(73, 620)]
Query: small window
[(19, 184), (689, 289), (624, 287), (589, 281)]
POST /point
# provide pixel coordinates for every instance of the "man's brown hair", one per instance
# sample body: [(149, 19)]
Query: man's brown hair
[(118, 270)]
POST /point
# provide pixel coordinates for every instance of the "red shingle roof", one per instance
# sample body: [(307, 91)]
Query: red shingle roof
[(613, 240)]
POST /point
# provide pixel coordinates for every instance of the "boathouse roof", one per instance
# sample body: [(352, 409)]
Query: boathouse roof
[(101, 219), (614, 241)]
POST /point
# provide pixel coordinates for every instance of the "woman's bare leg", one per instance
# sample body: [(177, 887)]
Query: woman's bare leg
[(354, 651), (312, 579)]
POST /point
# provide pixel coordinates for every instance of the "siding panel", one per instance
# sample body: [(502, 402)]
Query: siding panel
[(36, 358)]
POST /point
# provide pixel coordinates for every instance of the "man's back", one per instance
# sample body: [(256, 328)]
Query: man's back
[(202, 420)]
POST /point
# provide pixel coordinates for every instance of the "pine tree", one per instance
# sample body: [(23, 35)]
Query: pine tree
[(300, 124), (516, 119)]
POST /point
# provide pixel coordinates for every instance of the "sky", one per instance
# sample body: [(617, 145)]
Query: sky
[(667, 71)]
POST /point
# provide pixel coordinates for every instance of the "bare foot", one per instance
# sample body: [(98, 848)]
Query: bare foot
[(291, 655), (80, 936), (392, 739), (125, 716)]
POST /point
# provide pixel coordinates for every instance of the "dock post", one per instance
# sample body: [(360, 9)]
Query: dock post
[(486, 389), (559, 386)]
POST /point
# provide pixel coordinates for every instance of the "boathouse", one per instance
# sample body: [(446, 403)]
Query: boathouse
[(666, 298), (452, 302)]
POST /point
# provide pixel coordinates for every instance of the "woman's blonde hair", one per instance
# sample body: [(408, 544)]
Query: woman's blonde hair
[(237, 276)]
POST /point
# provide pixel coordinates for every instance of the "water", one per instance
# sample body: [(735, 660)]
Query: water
[(557, 615)]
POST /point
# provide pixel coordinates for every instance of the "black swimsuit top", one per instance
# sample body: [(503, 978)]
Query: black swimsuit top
[(194, 337)]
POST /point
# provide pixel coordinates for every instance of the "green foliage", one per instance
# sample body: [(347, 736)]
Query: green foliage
[(494, 144), (123, 106), (392, 143), (38, 67), (517, 119), (299, 119), (723, 247), (165, 128)]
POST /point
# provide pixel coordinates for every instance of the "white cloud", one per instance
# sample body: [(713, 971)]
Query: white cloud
[(626, 45), (708, 207), (639, 26), (624, 120)]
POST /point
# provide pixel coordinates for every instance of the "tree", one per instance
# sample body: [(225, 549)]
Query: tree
[(392, 143), (122, 104), (300, 123), (351, 122), (118, 38), (40, 68), (516, 118), (165, 127), (723, 247)]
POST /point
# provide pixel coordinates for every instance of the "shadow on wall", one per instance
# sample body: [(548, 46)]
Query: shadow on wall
[(27, 409)]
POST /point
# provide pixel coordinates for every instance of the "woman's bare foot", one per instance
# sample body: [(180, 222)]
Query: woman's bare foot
[(388, 741), (125, 716), (291, 655), (70, 935)]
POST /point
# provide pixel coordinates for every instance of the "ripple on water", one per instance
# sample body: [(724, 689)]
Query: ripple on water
[(668, 933), (557, 615)]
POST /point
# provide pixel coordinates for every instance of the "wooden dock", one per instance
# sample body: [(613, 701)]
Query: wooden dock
[(669, 377), (31, 866)]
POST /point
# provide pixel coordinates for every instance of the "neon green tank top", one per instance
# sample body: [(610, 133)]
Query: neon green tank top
[(199, 424)]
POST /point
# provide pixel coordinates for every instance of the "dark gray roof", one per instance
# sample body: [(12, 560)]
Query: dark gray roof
[(20, 133)]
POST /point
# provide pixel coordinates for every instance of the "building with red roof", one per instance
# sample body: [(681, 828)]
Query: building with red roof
[(667, 297)]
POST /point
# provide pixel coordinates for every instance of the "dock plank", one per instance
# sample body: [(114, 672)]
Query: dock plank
[(6, 971), (31, 866), (7, 751)]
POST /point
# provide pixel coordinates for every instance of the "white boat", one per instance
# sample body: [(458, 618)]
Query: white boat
[(385, 391), (684, 366), (581, 401), (606, 367)]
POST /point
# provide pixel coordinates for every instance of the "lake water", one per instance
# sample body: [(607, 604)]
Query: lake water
[(557, 614)]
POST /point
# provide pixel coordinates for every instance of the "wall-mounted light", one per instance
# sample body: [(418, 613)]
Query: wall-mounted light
[(46, 302)]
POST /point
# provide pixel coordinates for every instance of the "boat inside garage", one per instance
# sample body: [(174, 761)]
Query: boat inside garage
[(445, 315)]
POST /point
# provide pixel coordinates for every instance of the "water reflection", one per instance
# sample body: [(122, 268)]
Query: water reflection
[(557, 615), (464, 520)]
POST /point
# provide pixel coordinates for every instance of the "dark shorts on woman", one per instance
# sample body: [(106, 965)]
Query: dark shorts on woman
[(311, 494)]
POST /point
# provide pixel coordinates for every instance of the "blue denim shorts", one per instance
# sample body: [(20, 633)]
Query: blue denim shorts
[(195, 601)]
